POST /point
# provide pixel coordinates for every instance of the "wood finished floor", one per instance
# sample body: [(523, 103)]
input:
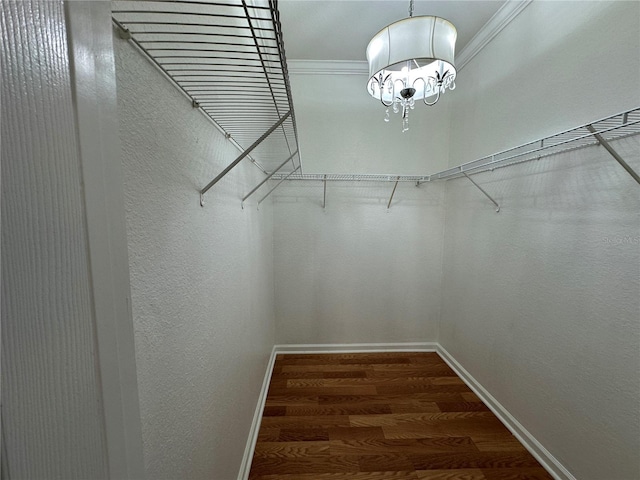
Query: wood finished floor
[(382, 416)]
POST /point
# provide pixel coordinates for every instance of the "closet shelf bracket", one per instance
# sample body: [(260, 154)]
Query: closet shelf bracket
[(324, 196), (613, 153), (482, 190), (268, 177), (393, 192), (242, 156), (277, 185)]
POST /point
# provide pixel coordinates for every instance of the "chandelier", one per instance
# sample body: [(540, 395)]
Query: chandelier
[(409, 60)]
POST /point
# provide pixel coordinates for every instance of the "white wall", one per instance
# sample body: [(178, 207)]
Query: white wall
[(540, 302), (355, 272), (342, 129), (52, 418), (202, 279), (557, 65)]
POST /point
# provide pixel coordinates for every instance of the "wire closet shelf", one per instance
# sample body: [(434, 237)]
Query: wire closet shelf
[(595, 133), (228, 58)]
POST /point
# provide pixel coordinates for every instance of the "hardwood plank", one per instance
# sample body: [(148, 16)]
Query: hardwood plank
[(415, 407), (287, 360), (386, 475), (303, 435), (505, 442), (286, 400), (351, 382), (305, 421), (533, 473), (447, 381), (470, 397), (373, 463), (402, 446), (326, 368), (297, 465), (390, 399), (445, 419), (349, 374), (274, 411), (344, 390), (320, 374), (410, 370), (341, 409), (420, 388), (490, 460), (457, 474), (409, 430), (413, 367), (462, 407), (268, 434), (291, 449), (355, 433)]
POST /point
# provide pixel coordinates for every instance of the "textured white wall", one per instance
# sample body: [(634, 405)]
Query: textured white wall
[(557, 65), (201, 278), (541, 301), (51, 402), (342, 130), (355, 273)]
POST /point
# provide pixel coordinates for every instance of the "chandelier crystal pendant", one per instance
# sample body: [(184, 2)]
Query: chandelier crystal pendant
[(411, 60)]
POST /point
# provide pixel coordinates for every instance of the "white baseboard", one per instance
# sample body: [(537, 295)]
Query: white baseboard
[(548, 461), (245, 466), (357, 347)]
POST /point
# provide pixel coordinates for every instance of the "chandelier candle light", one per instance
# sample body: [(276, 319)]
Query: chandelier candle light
[(410, 60)]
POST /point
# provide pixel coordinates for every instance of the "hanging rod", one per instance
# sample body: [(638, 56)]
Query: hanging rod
[(354, 177)]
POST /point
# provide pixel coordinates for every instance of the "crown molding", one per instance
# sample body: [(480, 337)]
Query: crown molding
[(493, 27), (510, 10)]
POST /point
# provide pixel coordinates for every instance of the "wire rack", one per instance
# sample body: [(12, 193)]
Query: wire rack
[(229, 59), (610, 128), (354, 177)]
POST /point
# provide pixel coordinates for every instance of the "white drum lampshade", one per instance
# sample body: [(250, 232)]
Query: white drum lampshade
[(412, 59)]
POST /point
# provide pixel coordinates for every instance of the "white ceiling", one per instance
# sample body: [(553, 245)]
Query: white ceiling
[(341, 29)]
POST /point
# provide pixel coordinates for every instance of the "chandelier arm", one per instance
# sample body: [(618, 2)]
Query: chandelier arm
[(381, 84), (437, 85), (430, 104), (385, 104), (371, 86)]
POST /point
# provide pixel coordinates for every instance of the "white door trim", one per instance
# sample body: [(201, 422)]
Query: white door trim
[(93, 77)]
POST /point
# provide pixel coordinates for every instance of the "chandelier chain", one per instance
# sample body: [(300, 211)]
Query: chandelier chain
[(410, 8)]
